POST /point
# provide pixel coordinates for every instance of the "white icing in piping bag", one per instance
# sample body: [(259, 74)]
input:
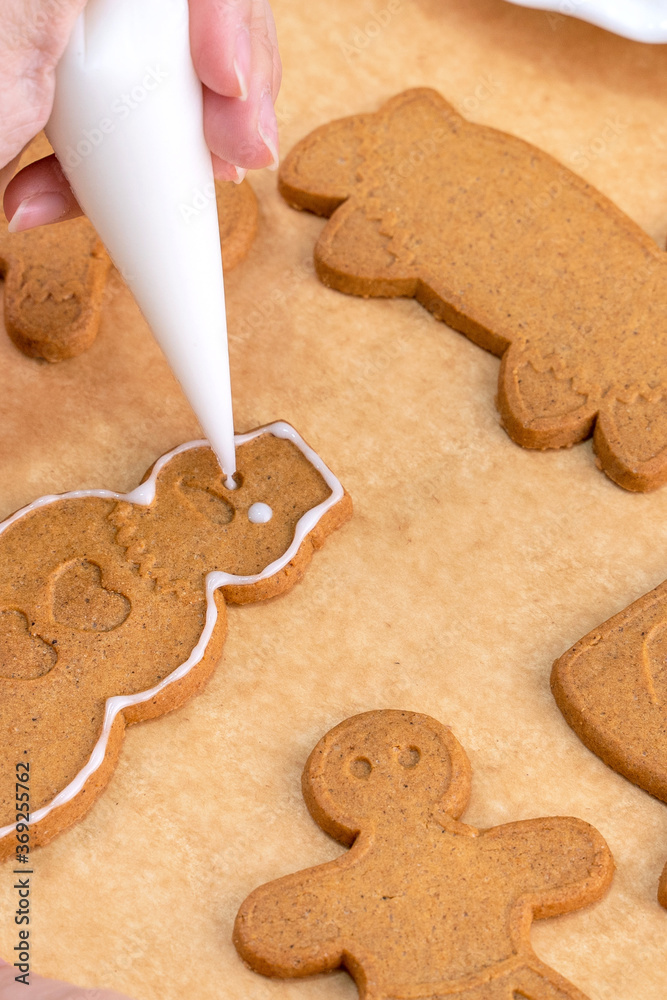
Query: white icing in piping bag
[(127, 127)]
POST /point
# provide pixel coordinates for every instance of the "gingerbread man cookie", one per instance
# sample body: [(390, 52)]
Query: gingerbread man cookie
[(422, 906), (509, 247), (611, 686), (55, 276), (112, 606)]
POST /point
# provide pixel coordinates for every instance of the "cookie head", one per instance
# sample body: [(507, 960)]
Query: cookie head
[(611, 686), (335, 160), (196, 525), (378, 765)]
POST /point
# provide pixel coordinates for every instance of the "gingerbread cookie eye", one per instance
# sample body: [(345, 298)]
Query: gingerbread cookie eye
[(409, 757), (361, 767)]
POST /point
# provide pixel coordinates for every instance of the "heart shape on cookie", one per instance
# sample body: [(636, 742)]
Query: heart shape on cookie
[(81, 601), (22, 655)]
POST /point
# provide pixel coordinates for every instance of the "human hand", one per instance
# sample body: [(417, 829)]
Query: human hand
[(47, 989), (235, 53)]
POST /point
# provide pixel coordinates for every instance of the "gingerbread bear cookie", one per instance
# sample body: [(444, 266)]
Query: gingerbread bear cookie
[(55, 276), (422, 906), (611, 686), (112, 606), (508, 246)]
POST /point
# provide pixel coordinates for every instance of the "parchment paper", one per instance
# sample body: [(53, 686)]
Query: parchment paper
[(470, 563)]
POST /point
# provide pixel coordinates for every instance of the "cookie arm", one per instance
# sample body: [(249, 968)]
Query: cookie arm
[(557, 864), (288, 928), (321, 171)]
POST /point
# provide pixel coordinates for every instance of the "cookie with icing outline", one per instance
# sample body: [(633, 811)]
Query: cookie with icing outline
[(112, 606), (55, 276), (611, 687), (508, 246), (421, 906)]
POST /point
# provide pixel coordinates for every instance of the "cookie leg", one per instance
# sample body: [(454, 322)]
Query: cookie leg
[(320, 173), (539, 982), (631, 442), (354, 255), (523, 982), (541, 408)]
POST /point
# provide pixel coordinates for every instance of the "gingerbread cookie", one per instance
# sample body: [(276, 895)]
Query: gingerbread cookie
[(237, 218), (611, 686), (508, 246), (55, 276), (422, 906), (112, 606)]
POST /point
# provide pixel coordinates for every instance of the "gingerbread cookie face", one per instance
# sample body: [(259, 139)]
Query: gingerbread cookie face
[(611, 686), (55, 276), (509, 247), (112, 607), (422, 906)]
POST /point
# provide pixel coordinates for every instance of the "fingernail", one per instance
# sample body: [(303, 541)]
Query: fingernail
[(267, 127), (226, 171), (241, 61), (38, 210)]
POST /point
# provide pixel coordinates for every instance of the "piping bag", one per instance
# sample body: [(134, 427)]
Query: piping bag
[(127, 128)]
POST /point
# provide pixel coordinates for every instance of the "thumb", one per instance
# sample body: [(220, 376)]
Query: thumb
[(48, 989)]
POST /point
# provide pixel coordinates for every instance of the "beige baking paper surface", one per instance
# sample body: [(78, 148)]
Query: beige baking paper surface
[(470, 564)]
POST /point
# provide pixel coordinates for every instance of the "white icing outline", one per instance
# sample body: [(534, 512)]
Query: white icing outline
[(145, 494)]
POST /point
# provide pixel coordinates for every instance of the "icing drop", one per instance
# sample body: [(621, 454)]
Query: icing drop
[(260, 513)]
